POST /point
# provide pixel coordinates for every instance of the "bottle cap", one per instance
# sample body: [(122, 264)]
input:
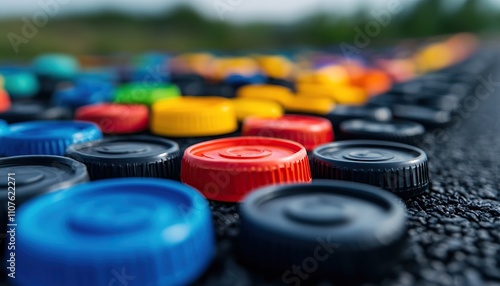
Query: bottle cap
[(4, 100), (407, 132), (399, 168), (430, 118), (46, 137), (84, 93), (352, 95), (193, 116), (34, 110), (345, 112), (115, 118), (280, 94), (34, 175), (310, 131), (57, 66), (228, 169), (21, 84), (139, 93), (246, 107), (310, 105), (134, 156), (115, 230), (339, 229)]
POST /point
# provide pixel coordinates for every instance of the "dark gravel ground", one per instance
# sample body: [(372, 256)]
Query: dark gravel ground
[(454, 228)]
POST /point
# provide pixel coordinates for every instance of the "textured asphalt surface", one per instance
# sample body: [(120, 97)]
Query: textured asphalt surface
[(454, 228)]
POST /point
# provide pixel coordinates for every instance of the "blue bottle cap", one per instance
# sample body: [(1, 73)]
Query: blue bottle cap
[(84, 92), (21, 84), (57, 66), (142, 231), (102, 74), (240, 79), (3, 126), (46, 137)]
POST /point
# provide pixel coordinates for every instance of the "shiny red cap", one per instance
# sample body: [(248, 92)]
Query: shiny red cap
[(115, 118), (310, 131), (228, 169)]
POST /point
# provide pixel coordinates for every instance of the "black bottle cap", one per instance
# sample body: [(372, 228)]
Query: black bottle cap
[(24, 177), (216, 89), (281, 82), (346, 112), (134, 156), (429, 117), (396, 167), (34, 175), (327, 228), (399, 131), (34, 110)]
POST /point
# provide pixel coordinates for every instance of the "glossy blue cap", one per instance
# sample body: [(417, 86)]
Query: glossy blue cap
[(84, 92), (57, 66), (46, 137), (144, 232), (21, 84)]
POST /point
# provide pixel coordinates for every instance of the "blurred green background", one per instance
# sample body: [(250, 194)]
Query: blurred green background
[(182, 29)]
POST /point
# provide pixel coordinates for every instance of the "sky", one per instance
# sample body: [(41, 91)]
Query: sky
[(226, 10)]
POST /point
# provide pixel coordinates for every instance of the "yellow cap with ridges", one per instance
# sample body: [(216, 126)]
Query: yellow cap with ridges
[(193, 117), (340, 94), (279, 94), (246, 107), (311, 105)]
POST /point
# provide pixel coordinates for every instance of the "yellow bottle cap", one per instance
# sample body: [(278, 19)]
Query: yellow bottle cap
[(246, 107), (279, 94), (332, 75), (275, 66), (193, 117), (351, 95), (312, 105), (227, 66), (434, 57)]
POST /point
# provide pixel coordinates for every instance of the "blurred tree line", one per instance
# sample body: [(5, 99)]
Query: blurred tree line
[(183, 29)]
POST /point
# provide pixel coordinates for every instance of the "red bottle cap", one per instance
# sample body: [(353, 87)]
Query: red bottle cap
[(115, 118), (4, 100), (228, 169), (309, 131)]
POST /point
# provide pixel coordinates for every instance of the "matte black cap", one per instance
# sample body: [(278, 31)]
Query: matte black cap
[(327, 228), (345, 112), (407, 132), (396, 167), (134, 156), (32, 111), (34, 175), (25, 177), (429, 117)]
